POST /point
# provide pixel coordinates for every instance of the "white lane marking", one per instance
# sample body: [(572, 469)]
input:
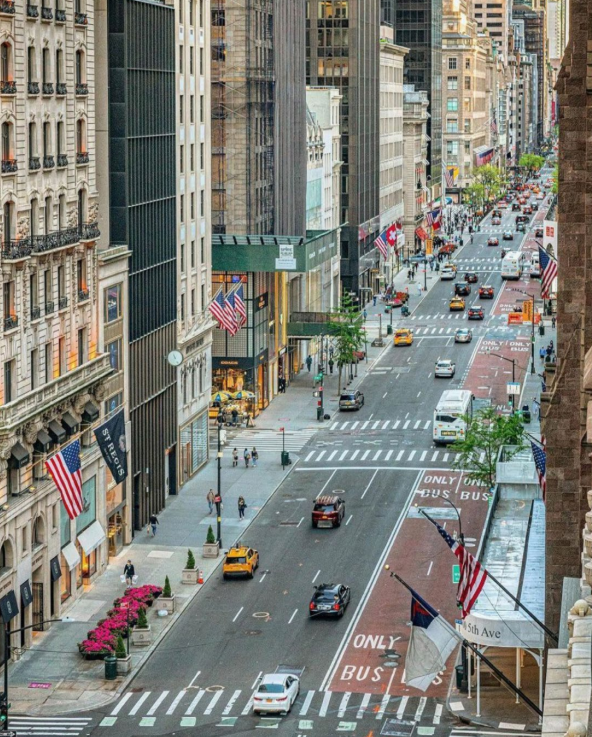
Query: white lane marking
[(345, 424), (141, 700), (152, 710), (427, 425), (413, 452), (402, 705), (334, 426), (406, 425), (396, 425), (366, 454), (175, 703), (120, 705), (321, 454), (355, 455), (417, 424), (256, 681), (388, 455), (372, 415), (445, 457), (420, 708), (194, 679), (343, 704), (248, 705), (195, 702), (384, 395), (237, 615), (213, 702), (305, 706), (419, 393), (292, 617), (231, 703), (437, 713), (262, 577), (332, 456), (348, 520), (317, 574), (301, 521), (356, 423), (375, 424), (430, 567), (325, 704), (435, 456), (309, 456), (342, 456), (383, 705), (369, 483), (386, 424), (377, 455), (363, 706), (399, 455), (365, 424)]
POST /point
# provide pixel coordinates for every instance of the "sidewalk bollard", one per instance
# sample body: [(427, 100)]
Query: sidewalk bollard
[(110, 667), (200, 576)]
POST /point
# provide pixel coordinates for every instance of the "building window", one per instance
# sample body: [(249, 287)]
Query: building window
[(81, 346), (452, 83), (7, 141), (452, 104), (9, 306), (467, 126), (62, 368), (452, 62), (191, 64), (182, 208), (81, 207), (31, 66), (181, 159), (192, 200), (467, 63), (467, 147), (48, 216), (181, 108), (113, 306), (60, 139), (181, 57), (193, 254), (203, 251), (201, 203), (193, 302), (467, 83), (47, 362), (81, 275), (9, 381), (182, 308), (80, 67), (452, 126), (34, 368), (202, 156), (6, 62), (192, 106), (191, 12), (115, 357), (201, 108), (59, 66), (34, 217), (452, 148), (62, 211), (33, 294), (46, 139), (45, 67), (61, 283), (192, 157), (80, 136), (47, 289)]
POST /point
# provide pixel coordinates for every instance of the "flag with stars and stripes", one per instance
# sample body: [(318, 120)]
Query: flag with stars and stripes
[(381, 244), (217, 309), (64, 467), (539, 453), (230, 312), (548, 272), (241, 308), (448, 176)]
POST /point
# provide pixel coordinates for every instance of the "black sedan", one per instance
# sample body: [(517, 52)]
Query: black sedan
[(508, 235), (475, 313), (461, 289), (516, 207), (471, 277), (329, 600), (538, 233)]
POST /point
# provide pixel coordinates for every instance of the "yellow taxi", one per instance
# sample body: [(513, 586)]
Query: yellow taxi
[(456, 303), (240, 561), (403, 336)]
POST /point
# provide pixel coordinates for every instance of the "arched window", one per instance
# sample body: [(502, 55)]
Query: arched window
[(32, 140), (45, 67), (9, 221), (6, 62), (6, 141), (48, 215), (46, 139), (62, 212), (38, 533), (80, 67), (6, 557), (34, 217)]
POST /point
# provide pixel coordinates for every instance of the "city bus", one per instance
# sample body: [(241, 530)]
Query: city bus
[(512, 265), (450, 415)]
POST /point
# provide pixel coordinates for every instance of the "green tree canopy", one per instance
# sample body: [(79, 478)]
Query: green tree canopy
[(347, 331), (491, 179), (532, 162)]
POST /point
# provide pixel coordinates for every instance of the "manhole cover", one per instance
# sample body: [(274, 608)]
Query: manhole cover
[(261, 615), (338, 491), (210, 689)]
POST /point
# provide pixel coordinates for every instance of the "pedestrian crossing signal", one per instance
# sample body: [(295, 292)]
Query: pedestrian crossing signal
[(455, 574)]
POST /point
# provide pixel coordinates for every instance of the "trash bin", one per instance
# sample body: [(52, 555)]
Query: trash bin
[(541, 329), (110, 667), (286, 458), (459, 676), (389, 329)]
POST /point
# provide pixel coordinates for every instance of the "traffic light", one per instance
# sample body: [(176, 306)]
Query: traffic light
[(3, 711)]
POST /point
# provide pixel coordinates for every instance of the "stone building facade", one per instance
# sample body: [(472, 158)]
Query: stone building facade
[(415, 153)]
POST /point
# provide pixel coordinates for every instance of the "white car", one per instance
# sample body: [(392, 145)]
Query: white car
[(463, 335), (445, 368), (540, 196), (447, 274), (276, 693)]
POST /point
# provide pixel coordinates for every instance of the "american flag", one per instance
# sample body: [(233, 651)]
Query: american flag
[(241, 308), (472, 575), (539, 453), (433, 218), (448, 176), (494, 126), (381, 244), (548, 272), (217, 309), (64, 468), (230, 312)]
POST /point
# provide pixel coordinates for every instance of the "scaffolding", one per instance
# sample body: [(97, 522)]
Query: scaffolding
[(243, 87)]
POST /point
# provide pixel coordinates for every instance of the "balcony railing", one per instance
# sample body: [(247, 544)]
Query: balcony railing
[(32, 88), (81, 88), (35, 312), (10, 322), (48, 88), (46, 13), (61, 88), (83, 295), (82, 158), (6, 7), (57, 239), (32, 11), (62, 303), (62, 160), (60, 15), (49, 308), (34, 163), (89, 231), (81, 19), (9, 166), (48, 162), (8, 87), (16, 250)]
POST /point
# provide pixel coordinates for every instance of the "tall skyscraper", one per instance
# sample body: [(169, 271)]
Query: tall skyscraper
[(343, 51)]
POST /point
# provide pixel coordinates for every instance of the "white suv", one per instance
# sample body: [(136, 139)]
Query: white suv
[(445, 368)]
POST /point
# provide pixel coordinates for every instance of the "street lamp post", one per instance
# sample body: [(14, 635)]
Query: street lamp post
[(509, 360), (530, 297), (218, 499)]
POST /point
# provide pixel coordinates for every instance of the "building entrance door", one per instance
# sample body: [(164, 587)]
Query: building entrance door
[(37, 607)]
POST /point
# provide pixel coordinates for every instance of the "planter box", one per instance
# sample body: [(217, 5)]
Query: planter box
[(141, 636), (124, 665), (167, 603), (189, 575), (211, 550)]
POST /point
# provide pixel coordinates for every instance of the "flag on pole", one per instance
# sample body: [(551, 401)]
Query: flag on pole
[(433, 218), (391, 235), (241, 308), (230, 312), (448, 176), (217, 309), (548, 272), (494, 126), (381, 244), (65, 470), (539, 453), (431, 642), (472, 575)]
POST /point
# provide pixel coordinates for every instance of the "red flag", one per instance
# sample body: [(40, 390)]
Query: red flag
[(391, 235)]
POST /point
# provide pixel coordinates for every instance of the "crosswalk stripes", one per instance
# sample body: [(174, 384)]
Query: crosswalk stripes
[(49, 726), (267, 441), (383, 456), (186, 706), (384, 425)]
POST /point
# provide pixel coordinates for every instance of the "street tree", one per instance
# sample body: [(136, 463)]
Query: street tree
[(474, 194), (487, 431), (491, 179), (532, 162), (555, 187), (347, 330)]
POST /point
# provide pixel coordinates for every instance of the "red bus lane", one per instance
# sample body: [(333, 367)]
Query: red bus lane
[(489, 374), (421, 557)]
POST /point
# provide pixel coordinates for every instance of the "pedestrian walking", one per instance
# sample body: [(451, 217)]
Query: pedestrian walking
[(129, 572), (331, 364), (553, 321), (548, 351), (365, 313), (254, 456), (308, 362), (542, 353), (374, 300), (431, 264), (234, 414), (247, 457), (153, 524), (210, 499), (242, 505), (419, 290), (235, 457)]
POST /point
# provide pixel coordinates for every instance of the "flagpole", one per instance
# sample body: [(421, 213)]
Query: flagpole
[(543, 626), (479, 654)]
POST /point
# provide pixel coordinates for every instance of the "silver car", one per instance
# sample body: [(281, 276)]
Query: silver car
[(444, 368), (463, 335)]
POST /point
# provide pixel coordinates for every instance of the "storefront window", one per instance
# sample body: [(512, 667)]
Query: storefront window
[(114, 494), (115, 534), (89, 505), (65, 534), (87, 566), (65, 580), (194, 446)]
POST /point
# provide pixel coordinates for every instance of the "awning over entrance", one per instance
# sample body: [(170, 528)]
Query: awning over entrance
[(272, 253), (71, 555), (56, 431), (90, 413), (43, 442), (70, 423), (19, 456), (308, 324), (92, 537)]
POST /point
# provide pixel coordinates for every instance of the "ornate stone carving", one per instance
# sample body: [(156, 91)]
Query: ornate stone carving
[(3, 468), (93, 212), (22, 227), (72, 217), (80, 402), (100, 391), (31, 430)]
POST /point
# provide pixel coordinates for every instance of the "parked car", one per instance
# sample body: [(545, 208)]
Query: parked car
[(351, 400)]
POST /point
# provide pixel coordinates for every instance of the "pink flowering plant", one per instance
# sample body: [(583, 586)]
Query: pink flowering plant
[(102, 640)]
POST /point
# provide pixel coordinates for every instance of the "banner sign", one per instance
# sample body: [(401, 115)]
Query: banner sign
[(111, 439)]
